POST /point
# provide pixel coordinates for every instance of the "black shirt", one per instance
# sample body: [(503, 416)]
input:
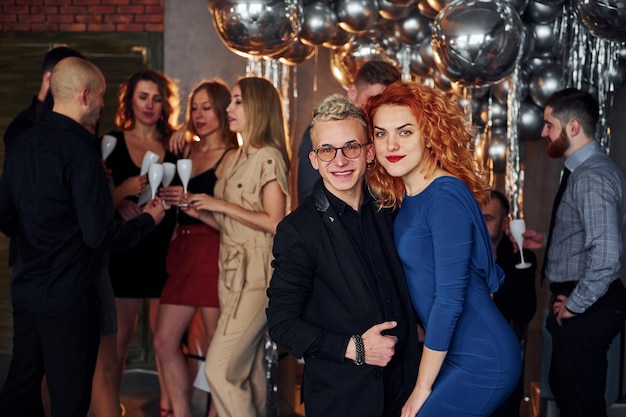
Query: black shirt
[(53, 182), (24, 120), (516, 298)]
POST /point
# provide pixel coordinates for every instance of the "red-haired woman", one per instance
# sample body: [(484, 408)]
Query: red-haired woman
[(424, 166)]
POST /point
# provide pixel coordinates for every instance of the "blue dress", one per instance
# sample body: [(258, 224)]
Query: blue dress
[(447, 256)]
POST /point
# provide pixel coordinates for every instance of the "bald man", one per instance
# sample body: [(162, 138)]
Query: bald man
[(55, 200)]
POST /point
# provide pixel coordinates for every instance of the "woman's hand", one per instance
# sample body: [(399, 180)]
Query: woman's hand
[(177, 141), (205, 202), (132, 186), (415, 402), (128, 210), (172, 195)]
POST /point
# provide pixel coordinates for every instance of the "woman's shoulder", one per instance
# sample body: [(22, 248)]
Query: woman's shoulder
[(268, 151), (446, 190)]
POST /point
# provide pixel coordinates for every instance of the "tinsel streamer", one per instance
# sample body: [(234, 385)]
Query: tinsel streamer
[(254, 67), (514, 178), (589, 60), (404, 59), (271, 376), (491, 178), (279, 74)]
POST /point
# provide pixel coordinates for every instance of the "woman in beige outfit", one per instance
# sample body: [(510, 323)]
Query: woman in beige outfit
[(251, 197)]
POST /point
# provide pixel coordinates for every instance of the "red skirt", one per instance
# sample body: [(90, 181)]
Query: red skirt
[(192, 269)]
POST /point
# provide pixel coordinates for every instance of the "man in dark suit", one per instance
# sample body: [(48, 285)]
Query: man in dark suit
[(338, 296)]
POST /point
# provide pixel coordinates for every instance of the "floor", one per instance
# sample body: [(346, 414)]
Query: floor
[(140, 395)]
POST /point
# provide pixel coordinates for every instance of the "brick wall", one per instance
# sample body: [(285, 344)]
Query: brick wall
[(82, 15)]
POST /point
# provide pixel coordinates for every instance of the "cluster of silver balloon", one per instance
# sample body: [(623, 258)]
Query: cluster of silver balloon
[(501, 58)]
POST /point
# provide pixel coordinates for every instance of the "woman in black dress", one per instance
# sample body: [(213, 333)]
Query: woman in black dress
[(146, 118)]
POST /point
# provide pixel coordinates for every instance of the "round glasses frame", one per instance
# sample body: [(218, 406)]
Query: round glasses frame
[(327, 153)]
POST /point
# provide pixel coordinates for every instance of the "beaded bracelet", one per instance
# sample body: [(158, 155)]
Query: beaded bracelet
[(360, 350)]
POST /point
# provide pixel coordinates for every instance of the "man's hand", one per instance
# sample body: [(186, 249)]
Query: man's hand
[(560, 311), (155, 208), (532, 240), (379, 348)]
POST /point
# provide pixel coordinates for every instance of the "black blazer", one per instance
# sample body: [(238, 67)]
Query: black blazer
[(320, 284)]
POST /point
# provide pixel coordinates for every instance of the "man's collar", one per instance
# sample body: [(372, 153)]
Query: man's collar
[(582, 154)]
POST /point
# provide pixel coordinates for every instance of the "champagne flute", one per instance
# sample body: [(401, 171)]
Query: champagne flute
[(183, 166), (107, 145), (149, 158), (155, 175), (517, 228), (169, 170)]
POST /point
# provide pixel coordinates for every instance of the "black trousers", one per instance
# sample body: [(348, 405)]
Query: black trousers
[(579, 347), (64, 348)]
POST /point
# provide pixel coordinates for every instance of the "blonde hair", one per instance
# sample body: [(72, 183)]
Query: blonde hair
[(443, 127), (264, 112), (338, 107)]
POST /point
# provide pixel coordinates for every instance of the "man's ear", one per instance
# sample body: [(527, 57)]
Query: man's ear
[(314, 161), (573, 127), (371, 152), (352, 93), (84, 96)]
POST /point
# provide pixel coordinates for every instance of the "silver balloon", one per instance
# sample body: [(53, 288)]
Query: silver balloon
[(418, 67), (528, 44), (530, 121), (501, 90), (442, 82), (340, 39), (438, 5), (540, 12), (426, 9), (426, 52), (603, 18), (374, 45), (552, 2), (319, 24), (414, 28), (535, 63), (392, 11), (477, 42), (518, 5), (545, 81), (546, 39), (356, 15), (295, 53), (402, 2), (497, 147), (257, 27), (496, 112)]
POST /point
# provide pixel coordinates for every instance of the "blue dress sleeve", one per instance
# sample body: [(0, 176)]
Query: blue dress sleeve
[(452, 238)]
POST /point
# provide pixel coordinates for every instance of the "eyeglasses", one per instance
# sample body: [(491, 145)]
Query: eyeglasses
[(327, 153)]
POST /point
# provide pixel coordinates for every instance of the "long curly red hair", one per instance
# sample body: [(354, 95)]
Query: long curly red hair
[(442, 124)]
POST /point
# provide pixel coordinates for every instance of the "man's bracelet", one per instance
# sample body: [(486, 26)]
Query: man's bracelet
[(360, 350)]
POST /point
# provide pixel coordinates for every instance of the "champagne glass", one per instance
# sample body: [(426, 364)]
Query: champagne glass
[(517, 228), (183, 166), (149, 158), (155, 175), (107, 145), (169, 170)]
